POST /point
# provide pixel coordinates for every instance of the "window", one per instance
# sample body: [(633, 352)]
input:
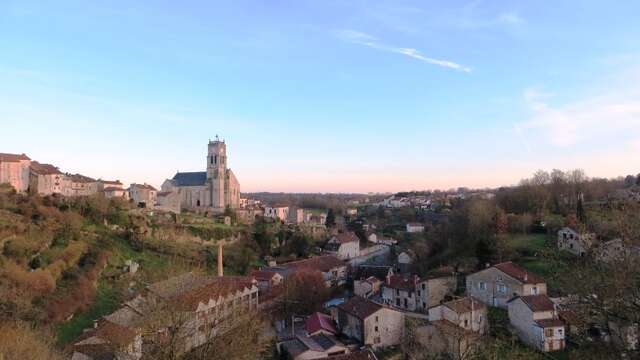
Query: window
[(548, 332), (375, 329), (482, 285), (499, 278), (534, 290), (466, 322), (502, 288), (423, 286), (397, 292), (376, 319), (398, 302), (559, 331), (418, 292), (406, 304)]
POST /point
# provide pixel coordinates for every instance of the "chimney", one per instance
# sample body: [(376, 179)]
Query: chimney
[(526, 276), (220, 267)]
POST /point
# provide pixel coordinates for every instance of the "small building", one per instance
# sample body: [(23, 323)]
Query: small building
[(411, 293), (574, 242), (405, 260), (454, 327), (536, 322), (320, 323), (344, 245), (495, 285), (368, 279), (369, 323), (266, 279), (168, 201), (81, 185), (333, 270), (143, 195), (14, 170), (380, 239), (46, 179), (319, 346), (415, 227), (116, 192), (104, 184), (277, 212)]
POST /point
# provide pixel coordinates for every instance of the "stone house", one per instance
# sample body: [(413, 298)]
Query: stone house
[(104, 184), (46, 179), (497, 284), (535, 320), (115, 192), (143, 195), (411, 293), (379, 239), (369, 323), (368, 279), (368, 287), (415, 227), (333, 270), (454, 327), (81, 185), (344, 245), (574, 242), (277, 212), (14, 170), (168, 201)]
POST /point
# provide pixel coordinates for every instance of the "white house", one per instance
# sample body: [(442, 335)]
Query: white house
[(535, 319), (415, 227), (344, 245)]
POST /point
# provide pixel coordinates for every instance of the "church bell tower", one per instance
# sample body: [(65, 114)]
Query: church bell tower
[(216, 171)]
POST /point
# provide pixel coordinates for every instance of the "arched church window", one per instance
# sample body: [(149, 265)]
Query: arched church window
[(198, 203)]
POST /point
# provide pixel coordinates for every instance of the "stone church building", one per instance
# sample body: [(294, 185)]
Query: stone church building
[(213, 190)]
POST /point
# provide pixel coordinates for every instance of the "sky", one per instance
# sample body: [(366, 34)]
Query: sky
[(325, 95)]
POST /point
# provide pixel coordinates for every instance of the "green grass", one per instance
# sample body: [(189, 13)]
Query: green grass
[(107, 300), (527, 242)]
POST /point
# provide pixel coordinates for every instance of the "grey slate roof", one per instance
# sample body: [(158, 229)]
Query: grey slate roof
[(190, 178)]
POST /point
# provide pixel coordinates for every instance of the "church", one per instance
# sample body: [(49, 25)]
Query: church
[(213, 190)]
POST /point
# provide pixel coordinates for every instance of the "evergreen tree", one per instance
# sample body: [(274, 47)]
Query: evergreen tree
[(331, 219), (580, 210)]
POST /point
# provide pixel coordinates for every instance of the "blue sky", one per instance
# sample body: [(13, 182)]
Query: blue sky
[(323, 95)]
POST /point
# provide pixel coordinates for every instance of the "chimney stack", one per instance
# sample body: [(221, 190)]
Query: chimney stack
[(220, 267)]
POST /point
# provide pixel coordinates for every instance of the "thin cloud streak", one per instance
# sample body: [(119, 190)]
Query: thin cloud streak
[(363, 39)]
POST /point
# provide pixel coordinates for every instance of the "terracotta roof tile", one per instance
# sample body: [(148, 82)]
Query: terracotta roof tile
[(402, 282), (359, 307), (519, 273), (13, 157), (547, 323), (44, 169), (538, 302), (347, 237), (318, 322), (321, 263), (464, 305)]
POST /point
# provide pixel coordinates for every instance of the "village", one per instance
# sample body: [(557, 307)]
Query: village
[(361, 289)]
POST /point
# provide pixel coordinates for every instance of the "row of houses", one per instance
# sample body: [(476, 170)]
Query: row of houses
[(184, 311), (26, 175), (583, 244)]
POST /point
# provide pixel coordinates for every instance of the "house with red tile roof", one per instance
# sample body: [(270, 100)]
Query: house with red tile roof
[(333, 269), (497, 284), (369, 323), (536, 321), (320, 323), (143, 195)]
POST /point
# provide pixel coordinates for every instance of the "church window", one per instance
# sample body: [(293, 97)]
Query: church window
[(216, 159), (198, 203)]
